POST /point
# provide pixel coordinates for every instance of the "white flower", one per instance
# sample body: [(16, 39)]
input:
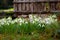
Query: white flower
[(43, 25), (39, 24), (54, 16), (47, 20), (12, 22), (26, 22), (42, 21), (7, 23), (2, 23), (30, 16), (15, 20), (55, 19), (36, 19), (9, 18), (33, 22)]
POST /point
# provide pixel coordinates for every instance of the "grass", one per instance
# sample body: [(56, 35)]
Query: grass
[(34, 29)]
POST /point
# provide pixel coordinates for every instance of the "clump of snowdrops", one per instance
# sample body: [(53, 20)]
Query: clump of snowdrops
[(31, 26)]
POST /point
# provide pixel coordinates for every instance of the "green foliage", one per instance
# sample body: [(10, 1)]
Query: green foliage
[(35, 29)]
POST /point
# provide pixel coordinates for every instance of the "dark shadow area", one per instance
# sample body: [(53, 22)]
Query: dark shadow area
[(6, 4)]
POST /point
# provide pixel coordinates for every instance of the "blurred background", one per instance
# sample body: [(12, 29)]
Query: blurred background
[(6, 8), (5, 4)]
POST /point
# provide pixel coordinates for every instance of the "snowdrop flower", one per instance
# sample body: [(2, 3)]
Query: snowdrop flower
[(34, 16), (36, 19), (15, 20), (54, 16), (12, 22), (55, 19), (42, 21), (47, 20), (9, 18), (21, 21), (33, 22), (7, 23), (39, 18), (43, 25), (2, 23), (26, 22), (39, 24), (30, 18)]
